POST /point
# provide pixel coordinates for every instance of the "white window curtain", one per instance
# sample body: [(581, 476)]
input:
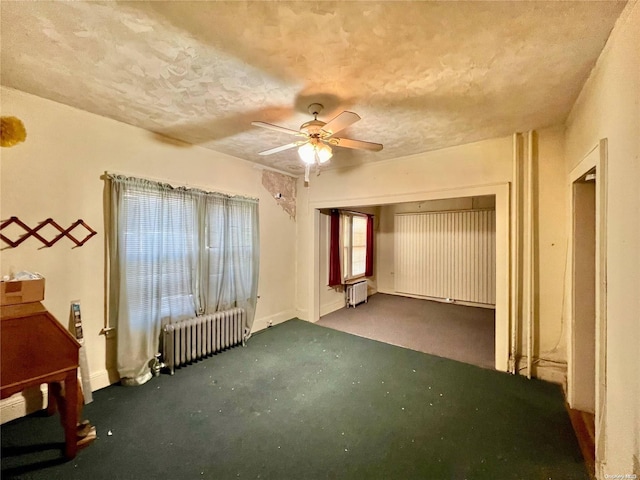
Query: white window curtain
[(175, 253), (231, 257)]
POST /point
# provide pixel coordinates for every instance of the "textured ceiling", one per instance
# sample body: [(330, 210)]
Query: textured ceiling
[(422, 75)]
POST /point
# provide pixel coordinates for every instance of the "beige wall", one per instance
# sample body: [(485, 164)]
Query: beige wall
[(551, 244), (57, 173), (608, 107)]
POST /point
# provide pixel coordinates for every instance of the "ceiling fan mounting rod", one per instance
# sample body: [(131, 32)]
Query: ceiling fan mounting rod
[(315, 109)]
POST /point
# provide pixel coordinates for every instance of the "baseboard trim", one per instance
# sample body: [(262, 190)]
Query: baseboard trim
[(34, 399), (544, 370), (104, 378), (23, 403), (265, 322), (441, 300), (551, 375), (332, 307)]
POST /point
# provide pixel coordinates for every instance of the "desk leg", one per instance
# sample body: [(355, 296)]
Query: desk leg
[(70, 415), (52, 401)]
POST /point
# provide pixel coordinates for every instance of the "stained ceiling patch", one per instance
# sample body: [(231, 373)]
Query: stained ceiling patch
[(283, 189)]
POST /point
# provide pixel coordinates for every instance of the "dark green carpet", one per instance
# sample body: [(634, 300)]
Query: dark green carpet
[(306, 402)]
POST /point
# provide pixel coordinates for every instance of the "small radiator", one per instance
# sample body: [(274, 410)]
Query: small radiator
[(189, 340), (356, 293)]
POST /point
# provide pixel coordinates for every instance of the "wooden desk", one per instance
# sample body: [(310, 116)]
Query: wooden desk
[(36, 349)]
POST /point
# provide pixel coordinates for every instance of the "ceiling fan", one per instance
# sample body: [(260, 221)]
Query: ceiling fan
[(314, 148)]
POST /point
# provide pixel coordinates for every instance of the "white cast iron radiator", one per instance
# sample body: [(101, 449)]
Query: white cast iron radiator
[(356, 293), (189, 340)]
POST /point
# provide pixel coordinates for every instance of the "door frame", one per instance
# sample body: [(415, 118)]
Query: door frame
[(596, 158), (504, 316)]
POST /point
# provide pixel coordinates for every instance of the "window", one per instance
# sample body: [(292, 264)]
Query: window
[(175, 253), (160, 253), (354, 241)]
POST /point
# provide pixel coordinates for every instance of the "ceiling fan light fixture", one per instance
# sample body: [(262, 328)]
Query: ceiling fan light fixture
[(307, 153), (315, 152), (324, 153), (319, 138)]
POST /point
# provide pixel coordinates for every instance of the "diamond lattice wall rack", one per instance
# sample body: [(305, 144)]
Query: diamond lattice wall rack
[(33, 232)]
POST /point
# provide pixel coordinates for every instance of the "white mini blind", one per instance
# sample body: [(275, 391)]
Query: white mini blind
[(446, 255), (359, 245), (159, 248), (354, 244)]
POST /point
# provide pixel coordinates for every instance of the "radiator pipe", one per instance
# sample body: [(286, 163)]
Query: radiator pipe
[(515, 251), (530, 253)]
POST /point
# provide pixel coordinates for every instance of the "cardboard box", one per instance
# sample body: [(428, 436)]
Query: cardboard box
[(22, 291)]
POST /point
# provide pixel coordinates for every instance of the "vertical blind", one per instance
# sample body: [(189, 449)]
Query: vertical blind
[(446, 255)]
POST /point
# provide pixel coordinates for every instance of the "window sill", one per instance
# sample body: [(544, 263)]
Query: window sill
[(350, 281)]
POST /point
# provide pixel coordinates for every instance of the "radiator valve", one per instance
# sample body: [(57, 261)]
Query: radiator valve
[(156, 364)]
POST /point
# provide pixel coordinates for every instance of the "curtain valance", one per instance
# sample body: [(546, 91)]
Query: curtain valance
[(159, 185)]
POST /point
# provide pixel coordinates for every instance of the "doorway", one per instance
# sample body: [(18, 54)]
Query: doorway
[(502, 259), (587, 279), (584, 292)]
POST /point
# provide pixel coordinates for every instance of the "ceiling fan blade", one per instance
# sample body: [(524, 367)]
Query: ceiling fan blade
[(341, 121), (357, 144), (281, 148), (276, 128)]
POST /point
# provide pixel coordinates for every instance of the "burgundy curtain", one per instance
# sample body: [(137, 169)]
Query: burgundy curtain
[(368, 270), (335, 275)]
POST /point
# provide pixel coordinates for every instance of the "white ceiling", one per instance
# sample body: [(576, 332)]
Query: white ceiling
[(422, 75)]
